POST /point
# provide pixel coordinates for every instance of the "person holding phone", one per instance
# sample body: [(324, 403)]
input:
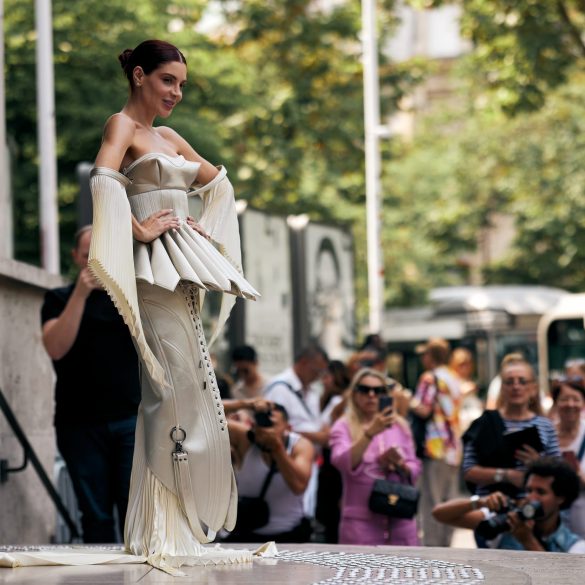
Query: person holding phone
[(568, 395), (370, 441)]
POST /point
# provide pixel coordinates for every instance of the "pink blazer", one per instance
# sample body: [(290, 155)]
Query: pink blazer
[(358, 525)]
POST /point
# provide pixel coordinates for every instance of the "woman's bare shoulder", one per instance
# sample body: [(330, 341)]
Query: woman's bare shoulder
[(118, 137), (167, 132), (120, 124)]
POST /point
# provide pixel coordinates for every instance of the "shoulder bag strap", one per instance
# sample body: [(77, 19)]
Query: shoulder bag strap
[(581, 450), (267, 481), (297, 393)]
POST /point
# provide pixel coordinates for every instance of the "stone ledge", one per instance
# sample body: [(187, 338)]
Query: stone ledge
[(23, 273)]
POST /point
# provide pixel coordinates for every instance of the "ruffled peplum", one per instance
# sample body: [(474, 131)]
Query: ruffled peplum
[(186, 255)]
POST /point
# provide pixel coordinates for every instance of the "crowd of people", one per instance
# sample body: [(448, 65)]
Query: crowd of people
[(335, 430)]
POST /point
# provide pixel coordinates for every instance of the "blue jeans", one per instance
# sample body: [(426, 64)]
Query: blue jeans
[(99, 461)]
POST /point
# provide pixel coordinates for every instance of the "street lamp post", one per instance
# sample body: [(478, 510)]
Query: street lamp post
[(6, 248), (46, 137), (373, 164)]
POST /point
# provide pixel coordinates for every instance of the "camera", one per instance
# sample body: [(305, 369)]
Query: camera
[(498, 524), (263, 419)]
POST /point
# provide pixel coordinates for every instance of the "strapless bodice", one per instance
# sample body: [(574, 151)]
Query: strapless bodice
[(157, 171)]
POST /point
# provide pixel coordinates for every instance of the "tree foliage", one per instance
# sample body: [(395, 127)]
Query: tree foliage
[(529, 167), (522, 48)]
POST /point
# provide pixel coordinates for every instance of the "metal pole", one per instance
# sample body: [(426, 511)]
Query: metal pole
[(373, 163), (46, 137), (6, 249)]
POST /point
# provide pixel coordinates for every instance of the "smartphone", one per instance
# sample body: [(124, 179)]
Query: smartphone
[(571, 459), (384, 402), (263, 419)]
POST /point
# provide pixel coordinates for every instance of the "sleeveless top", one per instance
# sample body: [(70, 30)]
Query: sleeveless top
[(286, 508)]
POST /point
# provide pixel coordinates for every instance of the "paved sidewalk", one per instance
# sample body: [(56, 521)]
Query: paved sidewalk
[(335, 565)]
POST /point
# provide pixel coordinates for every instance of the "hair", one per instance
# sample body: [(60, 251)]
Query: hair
[(575, 383), (244, 353), (565, 481), (373, 340), (79, 234), (460, 355), (353, 415), (281, 409), (311, 351), (439, 350), (576, 363), (340, 375), (517, 359), (149, 55), (512, 359)]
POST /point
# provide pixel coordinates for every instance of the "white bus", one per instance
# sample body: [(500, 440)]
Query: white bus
[(491, 321), (561, 336)]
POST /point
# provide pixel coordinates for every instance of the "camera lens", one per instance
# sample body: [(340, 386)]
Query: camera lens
[(530, 510)]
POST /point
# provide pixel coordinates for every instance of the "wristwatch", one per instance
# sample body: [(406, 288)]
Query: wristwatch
[(474, 502), (499, 475)]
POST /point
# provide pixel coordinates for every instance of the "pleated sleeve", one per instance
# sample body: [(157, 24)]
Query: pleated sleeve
[(111, 258), (220, 220)]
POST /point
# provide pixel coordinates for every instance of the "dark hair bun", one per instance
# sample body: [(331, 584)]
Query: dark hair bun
[(124, 58)]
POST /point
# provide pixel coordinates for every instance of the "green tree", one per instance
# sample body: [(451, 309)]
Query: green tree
[(522, 48), (448, 183)]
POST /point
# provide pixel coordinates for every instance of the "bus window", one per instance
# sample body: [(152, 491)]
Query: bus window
[(565, 340)]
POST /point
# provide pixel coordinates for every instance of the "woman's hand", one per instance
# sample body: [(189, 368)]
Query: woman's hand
[(393, 459), (193, 224), (157, 224), (527, 454), (382, 420)]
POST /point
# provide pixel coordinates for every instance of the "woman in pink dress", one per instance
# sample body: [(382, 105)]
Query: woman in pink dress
[(367, 444)]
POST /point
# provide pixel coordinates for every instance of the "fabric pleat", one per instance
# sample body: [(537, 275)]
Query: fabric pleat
[(111, 260)]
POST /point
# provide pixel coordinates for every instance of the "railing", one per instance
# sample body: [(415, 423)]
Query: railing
[(30, 455)]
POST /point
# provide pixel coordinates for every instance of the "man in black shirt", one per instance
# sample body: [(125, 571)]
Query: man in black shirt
[(96, 396)]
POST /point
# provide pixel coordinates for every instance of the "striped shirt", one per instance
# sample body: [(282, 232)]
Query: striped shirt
[(548, 436)]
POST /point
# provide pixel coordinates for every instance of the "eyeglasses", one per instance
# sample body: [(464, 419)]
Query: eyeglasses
[(519, 381), (365, 389)]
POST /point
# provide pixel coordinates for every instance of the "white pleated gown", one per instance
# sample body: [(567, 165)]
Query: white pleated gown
[(182, 489)]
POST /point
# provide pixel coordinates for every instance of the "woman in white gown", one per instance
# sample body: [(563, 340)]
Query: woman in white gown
[(156, 263)]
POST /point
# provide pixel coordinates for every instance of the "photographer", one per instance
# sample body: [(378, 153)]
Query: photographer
[(270, 458), (534, 523)]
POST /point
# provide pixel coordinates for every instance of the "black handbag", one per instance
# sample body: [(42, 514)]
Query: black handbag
[(394, 499), (254, 513)]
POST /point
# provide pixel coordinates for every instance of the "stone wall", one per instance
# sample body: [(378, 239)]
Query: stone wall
[(27, 515)]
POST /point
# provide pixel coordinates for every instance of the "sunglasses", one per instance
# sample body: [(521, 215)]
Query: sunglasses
[(365, 389), (520, 381)]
